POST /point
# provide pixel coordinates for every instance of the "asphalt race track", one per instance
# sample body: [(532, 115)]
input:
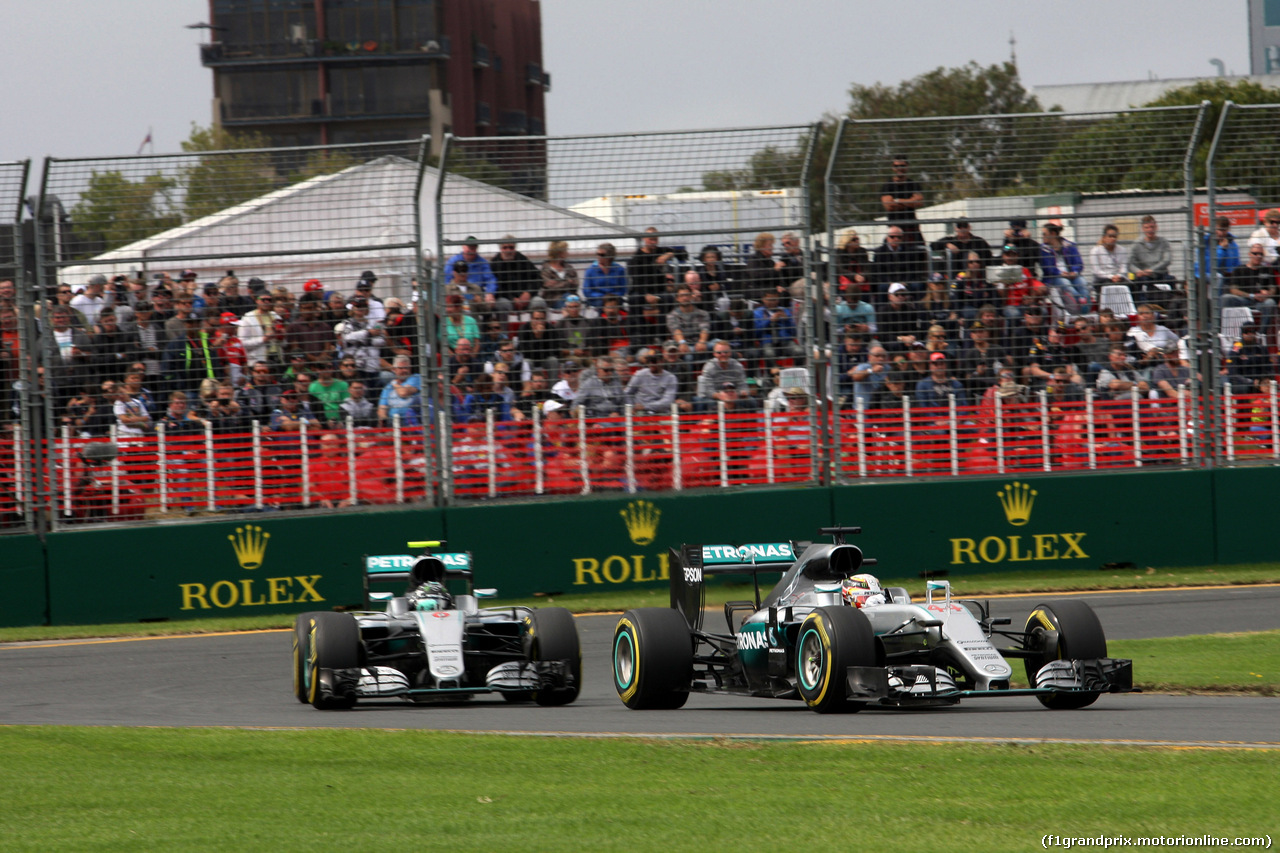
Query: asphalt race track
[(243, 680)]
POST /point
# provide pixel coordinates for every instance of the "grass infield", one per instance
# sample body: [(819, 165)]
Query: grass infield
[(209, 789)]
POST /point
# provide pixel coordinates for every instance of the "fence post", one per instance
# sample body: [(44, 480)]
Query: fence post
[(115, 472), (723, 443), (1275, 420), (999, 434), (952, 425), (162, 462), (66, 470), (1229, 421), (397, 449), (628, 412), (490, 452), (1045, 445), (539, 473), (1184, 400), (1091, 435), (304, 460), (257, 459), (352, 491), (677, 467), (210, 503), (446, 456), (861, 422), (770, 474), (906, 433), (583, 468), (1136, 417)]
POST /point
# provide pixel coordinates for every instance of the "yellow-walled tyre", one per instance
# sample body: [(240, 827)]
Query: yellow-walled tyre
[(831, 640), (1079, 637), (552, 634), (652, 659), (333, 642)]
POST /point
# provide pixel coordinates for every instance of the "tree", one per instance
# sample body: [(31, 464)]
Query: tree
[(221, 180), (116, 210)]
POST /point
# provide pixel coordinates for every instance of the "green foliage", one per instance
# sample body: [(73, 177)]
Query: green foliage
[(118, 210), (220, 180)]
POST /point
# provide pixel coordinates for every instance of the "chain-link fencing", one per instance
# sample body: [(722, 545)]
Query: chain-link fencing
[(17, 332), (976, 250), (591, 238)]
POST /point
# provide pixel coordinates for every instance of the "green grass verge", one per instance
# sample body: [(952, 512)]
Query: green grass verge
[(82, 788), (718, 592), (1244, 662)]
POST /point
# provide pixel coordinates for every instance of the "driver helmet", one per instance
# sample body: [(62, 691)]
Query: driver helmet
[(862, 591), (431, 596)]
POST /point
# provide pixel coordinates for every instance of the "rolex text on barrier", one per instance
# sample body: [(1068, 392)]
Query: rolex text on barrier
[(1017, 499), (249, 544), (641, 519)]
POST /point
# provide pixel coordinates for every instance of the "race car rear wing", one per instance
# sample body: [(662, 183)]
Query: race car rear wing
[(692, 563), (417, 569)]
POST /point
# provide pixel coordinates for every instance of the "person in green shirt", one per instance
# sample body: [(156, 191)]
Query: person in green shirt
[(330, 392)]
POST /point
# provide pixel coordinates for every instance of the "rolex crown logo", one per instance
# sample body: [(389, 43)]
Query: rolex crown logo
[(642, 521), (250, 544), (1017, 499)]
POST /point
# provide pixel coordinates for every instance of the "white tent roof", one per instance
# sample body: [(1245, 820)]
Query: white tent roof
[(367, 208)]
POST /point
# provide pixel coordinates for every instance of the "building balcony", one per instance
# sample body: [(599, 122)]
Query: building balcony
[(309, 52), (480, 56), (513, 123), (484, 115)]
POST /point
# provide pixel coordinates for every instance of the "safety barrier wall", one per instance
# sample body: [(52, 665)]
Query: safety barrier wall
[(272, 564)]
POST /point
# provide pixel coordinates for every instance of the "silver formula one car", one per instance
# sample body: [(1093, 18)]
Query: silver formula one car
[(827, 634), (434, 642)]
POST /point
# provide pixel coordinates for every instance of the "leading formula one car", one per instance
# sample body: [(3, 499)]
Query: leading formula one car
[(434, 642), (827, 634)]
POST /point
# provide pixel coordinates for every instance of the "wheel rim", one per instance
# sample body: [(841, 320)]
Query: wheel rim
[(810, 664), (624, 661)]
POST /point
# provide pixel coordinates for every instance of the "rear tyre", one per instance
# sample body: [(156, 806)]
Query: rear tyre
[(652, 659), (831, 640), (1080, 637), (333, 643), (301, 629), (552, 634)]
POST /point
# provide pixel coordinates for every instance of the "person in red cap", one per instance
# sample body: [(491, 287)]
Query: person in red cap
[(313, 286), (230, 350)]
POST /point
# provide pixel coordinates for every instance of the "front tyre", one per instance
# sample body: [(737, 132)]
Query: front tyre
[(551, 634), (301, 630), (333, 642), (1079, 637), (652, 659), (831, 640)]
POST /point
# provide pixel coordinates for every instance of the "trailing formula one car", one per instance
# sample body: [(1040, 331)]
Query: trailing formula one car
[(434, 642), (829, 635)]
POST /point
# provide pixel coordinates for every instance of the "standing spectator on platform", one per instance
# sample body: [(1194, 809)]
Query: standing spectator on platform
[(184, 308), (688, 325), (1150, 257), (539, 342), (151, 338), (64, 296), (329, 392), (960, 245), (358, 339), (262, 332), (224, 412), (900, 196), (364, 290), (358, 407), (647, 274), (791, 258), (1028, 249), (715, 278), (900, 317), (192, 359), (1108, 260), (113, 347), (652, 389), (162, 305), (479, 273), (1151, 337), (232, 299), (334, 309), (92, 300), (402, 397), (604, 278), (1268, 235), (559, 277), (1117, 379), (518, 279), (1220, 248), (576, 333), (1250, 367), (209, 295), (308, 334), (601, 395), (1063, 269), (899, 261)]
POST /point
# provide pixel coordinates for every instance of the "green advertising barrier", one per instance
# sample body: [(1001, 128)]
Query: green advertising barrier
[(1245, 506), (614, 542), (249, 566), (23, 594), (1025, 523)]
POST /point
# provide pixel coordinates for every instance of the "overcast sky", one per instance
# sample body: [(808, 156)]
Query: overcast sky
[(86, 78)]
